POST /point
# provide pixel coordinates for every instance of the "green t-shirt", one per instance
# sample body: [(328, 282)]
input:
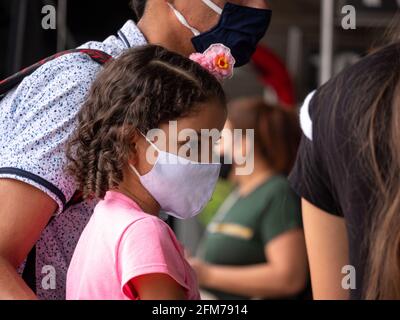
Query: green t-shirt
[(244, 225), (222, 189)]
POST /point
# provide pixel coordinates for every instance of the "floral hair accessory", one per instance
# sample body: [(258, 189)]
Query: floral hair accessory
[(217, 59)]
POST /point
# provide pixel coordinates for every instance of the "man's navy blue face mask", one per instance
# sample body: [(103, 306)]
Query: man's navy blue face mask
[(239, 28)]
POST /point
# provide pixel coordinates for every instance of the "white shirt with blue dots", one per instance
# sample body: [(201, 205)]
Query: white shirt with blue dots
[(36, 120)]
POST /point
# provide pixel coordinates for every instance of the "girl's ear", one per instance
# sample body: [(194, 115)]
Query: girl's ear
[(134, 152)]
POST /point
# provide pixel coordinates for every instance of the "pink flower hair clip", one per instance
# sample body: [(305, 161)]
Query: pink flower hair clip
[(217, 59)]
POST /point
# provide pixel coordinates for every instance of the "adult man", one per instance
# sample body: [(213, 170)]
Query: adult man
[(39, 116)]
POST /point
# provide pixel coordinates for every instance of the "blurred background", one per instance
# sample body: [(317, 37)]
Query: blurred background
[(294, 37)]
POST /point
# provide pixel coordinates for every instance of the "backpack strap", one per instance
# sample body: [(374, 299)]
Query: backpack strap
[(29, 272), (10, 82)]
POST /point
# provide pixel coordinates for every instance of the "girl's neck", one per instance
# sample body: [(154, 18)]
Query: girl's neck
[(247, 184), (146, 206), (132, 188)]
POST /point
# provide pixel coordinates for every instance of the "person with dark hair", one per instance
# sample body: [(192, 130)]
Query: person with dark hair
[(126, 251), (348, 174), (254, 246), (41, 211)]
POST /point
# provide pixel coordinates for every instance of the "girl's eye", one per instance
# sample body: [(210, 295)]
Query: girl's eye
[(217, 143), (192, 143)]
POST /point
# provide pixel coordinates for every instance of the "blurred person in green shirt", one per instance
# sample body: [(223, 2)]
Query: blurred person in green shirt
[(254, 245)]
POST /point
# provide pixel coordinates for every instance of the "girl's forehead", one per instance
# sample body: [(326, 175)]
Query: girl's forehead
[(208, 116)]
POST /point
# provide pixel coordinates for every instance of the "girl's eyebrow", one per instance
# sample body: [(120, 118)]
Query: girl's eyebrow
[(198, 133)]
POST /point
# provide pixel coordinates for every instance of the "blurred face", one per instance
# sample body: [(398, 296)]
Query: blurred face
[(238, 141), (186, 137), (236, 145)]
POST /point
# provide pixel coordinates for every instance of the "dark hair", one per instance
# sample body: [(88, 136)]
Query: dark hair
[(143, 88), (138, 7), (368, 95), (276, 130), (379, 134)]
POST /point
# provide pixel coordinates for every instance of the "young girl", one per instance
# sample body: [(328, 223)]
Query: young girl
[(126, 251)]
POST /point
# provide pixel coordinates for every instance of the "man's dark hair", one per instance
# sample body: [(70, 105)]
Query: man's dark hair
[(138, 7)]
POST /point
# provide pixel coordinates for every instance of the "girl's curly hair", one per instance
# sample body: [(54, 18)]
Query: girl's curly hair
[(143, 88)]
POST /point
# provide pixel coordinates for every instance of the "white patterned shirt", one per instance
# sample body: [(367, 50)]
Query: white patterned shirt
[(37, 119)]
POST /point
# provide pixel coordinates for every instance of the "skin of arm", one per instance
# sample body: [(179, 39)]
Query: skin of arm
[(285, 273), (24, 213), (327, 248), (157, 286)]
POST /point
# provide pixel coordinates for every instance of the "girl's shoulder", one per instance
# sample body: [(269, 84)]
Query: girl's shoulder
[(118, 204), (155, 235), (118, 212), (153, 226)]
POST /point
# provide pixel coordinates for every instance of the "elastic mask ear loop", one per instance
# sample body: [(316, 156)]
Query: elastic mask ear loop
[(152, 144), (183, 20), (213, 6), (134, 170)]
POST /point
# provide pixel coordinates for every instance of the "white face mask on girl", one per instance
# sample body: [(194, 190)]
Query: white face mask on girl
[(181, 187)]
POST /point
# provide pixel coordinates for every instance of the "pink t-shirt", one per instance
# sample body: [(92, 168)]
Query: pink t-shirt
[(122, 242)]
